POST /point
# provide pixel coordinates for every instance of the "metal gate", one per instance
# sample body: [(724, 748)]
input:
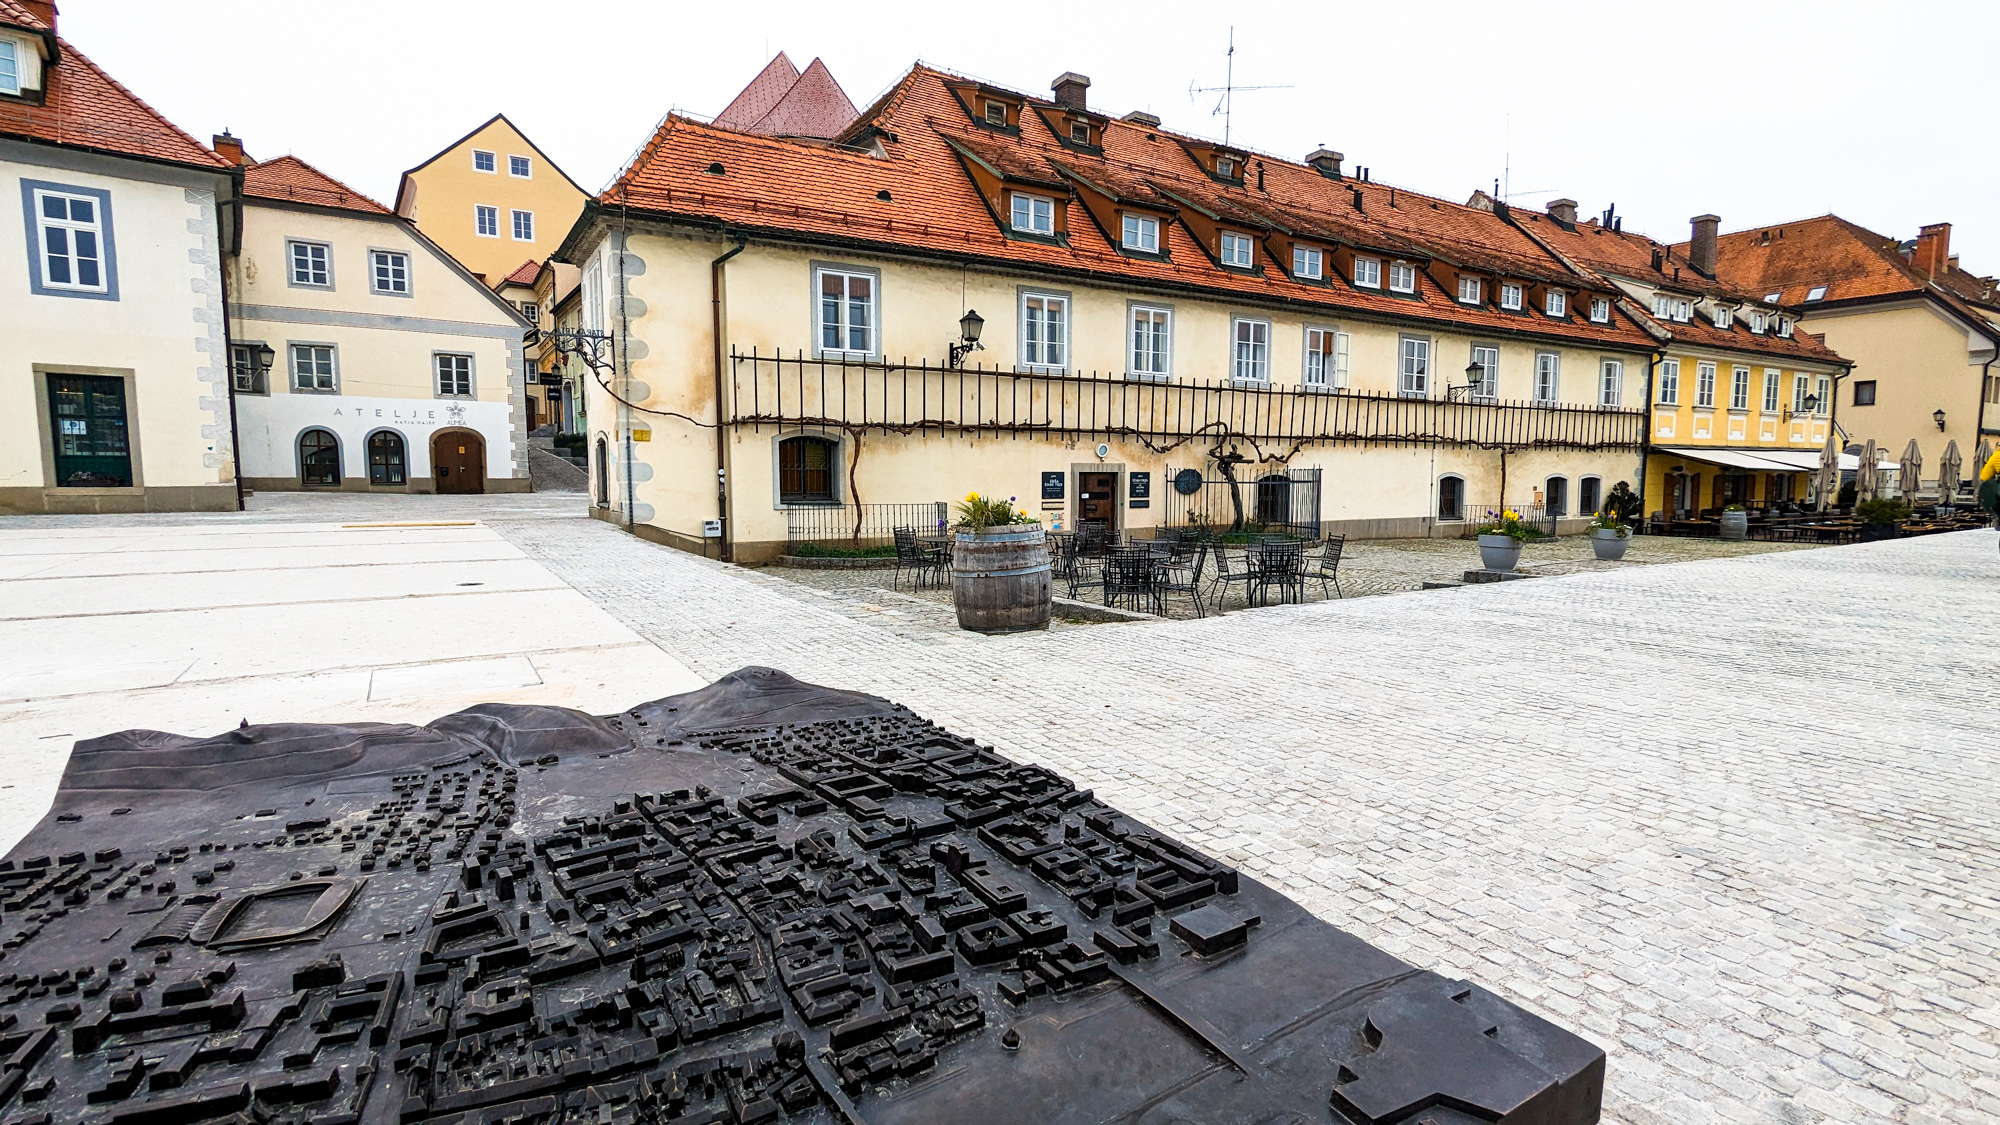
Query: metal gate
[(1284, 501)]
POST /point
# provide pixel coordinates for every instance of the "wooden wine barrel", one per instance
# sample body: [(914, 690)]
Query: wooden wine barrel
[(1000, 580)]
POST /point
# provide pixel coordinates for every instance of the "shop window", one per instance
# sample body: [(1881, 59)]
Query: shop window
[(319, 459), (386, 458), (1451, 498)]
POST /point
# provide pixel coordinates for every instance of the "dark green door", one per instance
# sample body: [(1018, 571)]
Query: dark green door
[(87, 420)]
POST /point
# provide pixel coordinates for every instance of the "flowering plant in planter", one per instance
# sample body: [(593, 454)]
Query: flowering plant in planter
[(1508, 522), (1607, 520), (977, 513)]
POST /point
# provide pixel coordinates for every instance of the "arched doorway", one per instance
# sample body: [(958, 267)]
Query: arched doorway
[(319, 459), (458, 461), (603, 472)]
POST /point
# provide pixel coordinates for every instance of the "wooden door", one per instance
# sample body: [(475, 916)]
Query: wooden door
[(458, 461), (1097, 499)]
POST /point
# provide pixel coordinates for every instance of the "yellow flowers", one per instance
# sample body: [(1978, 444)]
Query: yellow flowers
[(1510, 515), (971, 497)]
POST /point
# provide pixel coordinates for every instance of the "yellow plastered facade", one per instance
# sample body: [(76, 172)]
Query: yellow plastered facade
[(442, 197)]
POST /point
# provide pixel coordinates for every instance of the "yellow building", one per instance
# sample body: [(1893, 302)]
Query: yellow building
[(1742, 397), (1921, 332), (781, 324), (492, 200)]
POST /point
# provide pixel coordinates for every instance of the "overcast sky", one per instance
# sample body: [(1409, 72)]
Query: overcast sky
[(1759, 111)]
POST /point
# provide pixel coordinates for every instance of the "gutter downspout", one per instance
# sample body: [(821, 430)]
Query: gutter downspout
[(721, 436)]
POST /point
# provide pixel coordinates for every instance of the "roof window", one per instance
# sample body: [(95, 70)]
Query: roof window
[(996, 113), (1772, 298), (1033, 214), (1556, 303), (1141, 233), (1816, 293), (1079, 131), (1225, 166), (1510, 296), (1402, 277), (1757, 322), (1468, 290), (1722, 317), (1368, 272), (1236, 250), (1785, 327), (1600, 310)]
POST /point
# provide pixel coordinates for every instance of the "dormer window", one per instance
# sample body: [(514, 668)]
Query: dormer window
[(1684, 311), (1236, 250), (1468, 290), (1510, 297), (1402, 277), (1033, 214), (1225, 167), (10, 67), (1141, 233), (1079, 131), (1556, 303), (996, 113), (1308, 263), (1600, 310), (1368, 272), (1722, 317), (1785, 327), (1757, 322)]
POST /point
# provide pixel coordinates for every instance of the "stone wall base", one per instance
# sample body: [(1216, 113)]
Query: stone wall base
[(104, 501)]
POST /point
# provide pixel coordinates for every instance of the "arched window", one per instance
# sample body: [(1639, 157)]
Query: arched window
[(1556, 496), (386, 458), (1451, 498), (603, 472), (1274, 500), (319, 459), (1589, 496), (805, 471)]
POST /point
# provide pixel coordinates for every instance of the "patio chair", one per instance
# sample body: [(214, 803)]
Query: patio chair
[(1231, 568), (1072, 567), (914, 556), (1129, 574), (1180, 573), (1325, 566), (1280, 564)]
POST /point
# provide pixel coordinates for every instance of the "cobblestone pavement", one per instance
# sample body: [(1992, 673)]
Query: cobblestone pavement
[(1734, 820)]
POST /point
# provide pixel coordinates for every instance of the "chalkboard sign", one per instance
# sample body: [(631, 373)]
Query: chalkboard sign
[(1052, 486), (1141, 489)]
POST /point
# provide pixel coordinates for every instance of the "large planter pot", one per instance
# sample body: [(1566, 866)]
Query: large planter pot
[(1735, 525), (1610, 542), (1499, 552), (1000, 579)]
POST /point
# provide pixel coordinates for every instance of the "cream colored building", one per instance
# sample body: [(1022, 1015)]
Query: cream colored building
[(112, 340), (393, 368), (492, 199), (1360, 359)]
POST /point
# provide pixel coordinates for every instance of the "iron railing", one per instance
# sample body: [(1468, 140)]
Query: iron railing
[(862, 525), (799, 390), (1285, 502)]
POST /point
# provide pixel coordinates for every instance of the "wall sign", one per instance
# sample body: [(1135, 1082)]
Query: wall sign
[(1052, 486), (1140, 489), (1187, 482)]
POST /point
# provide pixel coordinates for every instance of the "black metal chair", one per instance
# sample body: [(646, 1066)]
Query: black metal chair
[(1280, 564), (1072, 567), (1180, 573), (1130, 574), (1325, 567), (1231, 568), (915, 556)]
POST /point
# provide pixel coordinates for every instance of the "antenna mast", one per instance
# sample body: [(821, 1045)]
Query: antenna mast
[(1225, 107)]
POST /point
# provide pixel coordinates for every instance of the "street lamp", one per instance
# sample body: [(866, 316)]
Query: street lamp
[(1807, 405), (1938, 417), (1475, 376), (969, 327)]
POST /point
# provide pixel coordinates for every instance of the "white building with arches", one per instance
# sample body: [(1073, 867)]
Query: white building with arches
[(390, 367)]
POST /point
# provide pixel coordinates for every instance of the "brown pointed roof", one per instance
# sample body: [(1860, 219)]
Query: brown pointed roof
[(815, 106), (291, 180), (758, 98), (83, 107)]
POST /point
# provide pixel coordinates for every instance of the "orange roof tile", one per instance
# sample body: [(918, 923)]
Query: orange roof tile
[(83, 107), (524, 274), (919, 196), (291, 180), (14, 15)]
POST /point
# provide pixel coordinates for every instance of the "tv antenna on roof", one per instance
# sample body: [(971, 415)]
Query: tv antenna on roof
[(1225, 104)]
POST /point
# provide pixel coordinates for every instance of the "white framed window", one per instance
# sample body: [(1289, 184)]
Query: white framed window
[(1672, 308), (485, 221), (846, 313), (592, 305), (524, 226), (1684, 310), (1610, 382), (1225, 167), (532, 312), (1142, 233), (1326, 359), (72, 242), (1824, 388), (1236, 250), (1032, 214), (454, 375), (1739, 388), (1772, 298), (10, 68), (1308, 263), (1816, 293), (1722, 317), (1079, 132), (1600, 310), (1662, 306), (996, 113), (1251, 359), (1758, 322), (1044, 331), (1510, 296), (1770, 390), (1469, 289), (311, 264), (1368, 272), (1670, 382), (483, 161), (1785, 327), (520, 167), (313, 367), (1548, 376), (243, 369), (1556, 303), (389, 272), (1415, 375), (1800, 385), (1488, 361), (1704, 384), (1402, 277), (1152, 342)]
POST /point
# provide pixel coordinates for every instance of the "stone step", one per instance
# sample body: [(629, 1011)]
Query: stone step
[(1476, 577)]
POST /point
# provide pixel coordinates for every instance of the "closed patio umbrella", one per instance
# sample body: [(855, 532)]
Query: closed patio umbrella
[(1909, 471), (1867, 477), (1827, 483), (1949, 466)]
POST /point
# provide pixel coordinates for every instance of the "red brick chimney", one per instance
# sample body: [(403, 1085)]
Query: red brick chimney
[(43, 10), (1701, 246), (1072, 91), (1933, 250), (230, 148)]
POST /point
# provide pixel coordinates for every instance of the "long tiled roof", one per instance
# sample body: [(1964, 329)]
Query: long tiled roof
[(291, 180), (919, 196), (1619, 253), (83, 107)]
